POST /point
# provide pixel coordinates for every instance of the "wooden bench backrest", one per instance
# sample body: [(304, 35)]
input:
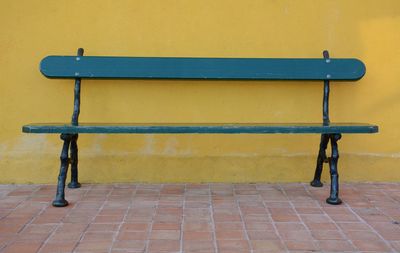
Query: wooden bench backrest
[(201, 68)]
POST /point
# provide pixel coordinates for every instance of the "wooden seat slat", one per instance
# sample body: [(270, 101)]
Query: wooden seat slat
[(199, 128)]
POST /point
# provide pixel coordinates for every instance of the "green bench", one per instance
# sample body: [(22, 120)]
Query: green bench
[(98, 67)]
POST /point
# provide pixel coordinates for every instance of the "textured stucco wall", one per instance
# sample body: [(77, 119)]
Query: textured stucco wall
[(364, 29)]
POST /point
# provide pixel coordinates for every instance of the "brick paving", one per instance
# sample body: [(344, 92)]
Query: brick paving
[(200, 218)]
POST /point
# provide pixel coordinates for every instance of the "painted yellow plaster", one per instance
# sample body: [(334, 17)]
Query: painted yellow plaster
[(32, 29)]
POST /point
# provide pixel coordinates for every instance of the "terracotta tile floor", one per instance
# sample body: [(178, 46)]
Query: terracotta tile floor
[(201, 218)]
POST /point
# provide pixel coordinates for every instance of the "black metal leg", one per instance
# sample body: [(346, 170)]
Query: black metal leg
[(320, 160), (334, 195), (60, 201), (74, 163)]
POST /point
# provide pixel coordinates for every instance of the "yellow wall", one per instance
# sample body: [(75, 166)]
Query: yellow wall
[(32, 29)]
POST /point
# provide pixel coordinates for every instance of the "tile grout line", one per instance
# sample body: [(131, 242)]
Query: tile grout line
[(59, 224), (123, 221), (12, 209), (242, 219), (274, 225), (366, 223), (394, 200), (211, 207), (30, 222), (183, 218), (94, 217), (302, 221), (359, 217), (147, 245), (334, 222)]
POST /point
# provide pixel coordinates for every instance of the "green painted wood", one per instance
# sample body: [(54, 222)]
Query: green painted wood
[(253, 128), (201, 68)]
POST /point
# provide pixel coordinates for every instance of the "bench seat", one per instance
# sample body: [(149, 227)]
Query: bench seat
[(202, 128)]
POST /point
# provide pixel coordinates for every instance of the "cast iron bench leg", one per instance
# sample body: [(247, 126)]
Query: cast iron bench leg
[(74, 163), (60, 201), (334, 196), (320, 160)]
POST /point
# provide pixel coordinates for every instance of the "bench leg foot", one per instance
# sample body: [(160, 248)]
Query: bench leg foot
[(334, 195), (60, 201), (320, 161), (74, 163)]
